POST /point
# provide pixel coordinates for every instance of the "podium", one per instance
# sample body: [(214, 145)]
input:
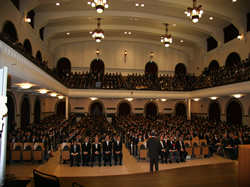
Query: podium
[(244, 165)]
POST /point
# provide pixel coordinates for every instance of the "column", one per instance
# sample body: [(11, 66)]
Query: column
[(66, 107), (189, 110)]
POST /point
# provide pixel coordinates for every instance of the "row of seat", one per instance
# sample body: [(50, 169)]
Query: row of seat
[(28, 151)]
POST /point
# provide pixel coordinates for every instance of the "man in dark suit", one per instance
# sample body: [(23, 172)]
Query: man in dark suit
[(107, 151), (181, 148), (118, 150), (154, 146), (75, 153), (86, 147), (163, 151), (96, 151), (172, 150)]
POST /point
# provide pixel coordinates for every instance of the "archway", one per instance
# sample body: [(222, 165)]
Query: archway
[(151, 109), (214, 111), (124, 109), (25, 112), (39, 56), (214, 65), (64, 65), (233, 58), (27, 47), (10, 30), (60, 108), (180, 109), (234, 112), (97, 65), (151, 69), (11, 111), (180, 69), (37, 111), (96, 109)]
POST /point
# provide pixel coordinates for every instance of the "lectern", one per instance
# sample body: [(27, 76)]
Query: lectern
[(244, 165)]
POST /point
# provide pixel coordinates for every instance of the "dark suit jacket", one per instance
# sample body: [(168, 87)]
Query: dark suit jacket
[(154, 147), (170, 146), (106, 147), (86, 148), (117, 147), (94, 149), (178, 145), (164, 145), (77, 149)]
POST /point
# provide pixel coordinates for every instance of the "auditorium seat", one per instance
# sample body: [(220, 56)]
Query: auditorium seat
[(196, 147), (27, 151), (38, 152), (188, 147), (45, 180), (65, 152), (16, 153), (204, 148)]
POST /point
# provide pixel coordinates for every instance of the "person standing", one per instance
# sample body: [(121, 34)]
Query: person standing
[(154, 146)]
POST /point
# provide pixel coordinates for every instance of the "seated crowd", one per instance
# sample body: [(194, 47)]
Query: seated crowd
[(173, 130)]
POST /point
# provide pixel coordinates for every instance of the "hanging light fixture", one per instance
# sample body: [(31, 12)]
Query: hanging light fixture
[(194, 13), (100, 5), (98, 34), (166, 39)]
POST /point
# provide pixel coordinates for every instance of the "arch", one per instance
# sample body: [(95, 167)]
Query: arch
[(11, 105), (63, 65), (124, 108), (96, 108), (233, 58), (10, 30), (27, 46), (213, 65), (180, 69), (25, 112), (37, 110), (60, 108), (180, 109), (151, 68), (151, 109), (234, 111), (214, 111), (97, 65), (39, 56)]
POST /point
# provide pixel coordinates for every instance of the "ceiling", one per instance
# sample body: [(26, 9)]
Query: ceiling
[(145, 23)]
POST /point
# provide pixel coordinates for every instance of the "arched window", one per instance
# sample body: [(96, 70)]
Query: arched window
[(64, 65), (39, 56), (234, 112), (25, 112), (11, 112), (213, 65), (37, 111), (96, 109), (151, 69), (232, 59), (151, 109), (9, 30), (97, 66), (180, 69), (124, 108), (180, 109), (214, 111), (27, 47)]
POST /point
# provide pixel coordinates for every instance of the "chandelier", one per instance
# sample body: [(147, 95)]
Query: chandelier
[(194, 13), (166, 39), (100, 5), (98, 34)]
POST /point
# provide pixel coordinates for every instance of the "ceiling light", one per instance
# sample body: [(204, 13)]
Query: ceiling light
[(174, 24), (181, 41), (100, 5), (98, 34), (25, 85), (163, 100), (43, 91), (196, 99), (53, 94), (28, 20), (68, 33), (239, 37), (211, 18), (129, 32), (125, 32), (93, 98), (237, 96), (166, 39), (136, 4), (234, 1), (213, 98), (89, 3), (60, 97), (57, 4), (142, 5), (129, 99), (194, 13)]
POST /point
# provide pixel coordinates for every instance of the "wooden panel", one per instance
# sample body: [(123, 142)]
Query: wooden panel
[(244, 165)]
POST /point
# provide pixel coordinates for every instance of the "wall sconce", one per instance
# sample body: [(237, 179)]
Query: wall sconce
[(151, 56), (97, 53), (239, 37), (125, 56), (27, 20)]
